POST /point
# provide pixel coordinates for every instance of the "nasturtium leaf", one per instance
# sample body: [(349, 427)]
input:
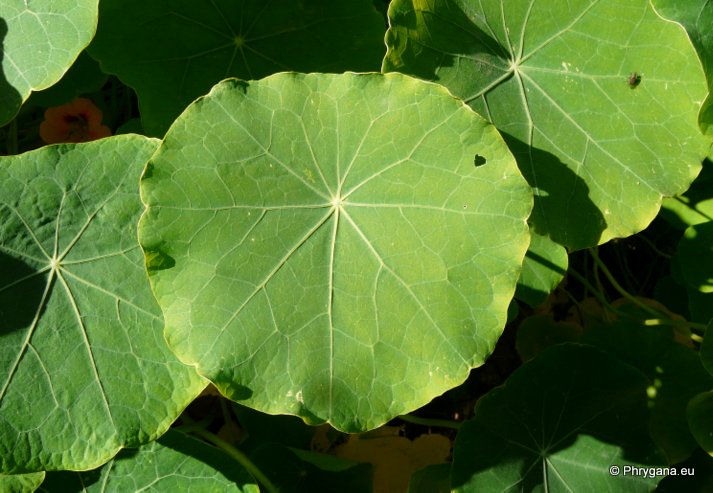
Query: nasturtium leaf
[(558, 424), (695, 206), (323, 245), (39, 41), (175, 462), (694, 260), (84, 369), (697, 17), (171, 52), (674, 374), (543, 269), (554, 77), (539, 332), (21, 483)]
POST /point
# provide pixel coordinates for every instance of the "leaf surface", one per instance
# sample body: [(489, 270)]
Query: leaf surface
[(39, 41), (598, 100), (21, 483), (175, 462), (557, 425), (84, 369), (171, 52), (697, 17), (323, 245), (694, 259)]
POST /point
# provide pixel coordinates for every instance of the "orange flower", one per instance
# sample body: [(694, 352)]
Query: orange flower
[(78, 121)]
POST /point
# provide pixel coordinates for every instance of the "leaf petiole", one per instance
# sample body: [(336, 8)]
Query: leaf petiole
[(235, 454)]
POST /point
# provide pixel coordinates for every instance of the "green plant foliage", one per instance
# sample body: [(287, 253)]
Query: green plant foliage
[(39, 40), (674, 374), (296, 472), (300, 248), (544, 268), (558, 426), (21, 483), (697, 17), (431, 479), (594, 117), (82, 77), (171, 52), (700, 408), (694, 259), (360, 213), (175, 462), (695, 206), (83, 368)]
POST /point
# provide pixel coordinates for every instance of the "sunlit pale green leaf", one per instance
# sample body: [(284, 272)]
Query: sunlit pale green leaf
[(697, 17), (695, 206), (171, 52), (174, 463), (544, 268), (39, 40), (598, 100), (557, 425), (84, 369), (332, 246), (21, 483)]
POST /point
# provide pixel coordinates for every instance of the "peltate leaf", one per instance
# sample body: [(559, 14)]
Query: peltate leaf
[(84, 369), (171, 52), (558, 424), (39, 40), (324, 245), (598, 99)]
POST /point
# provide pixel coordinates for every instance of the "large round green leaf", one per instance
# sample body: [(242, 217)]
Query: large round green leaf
[(172, 51), (84, 369), (598, 99), (333, 246), (560, 423), (39, 40)]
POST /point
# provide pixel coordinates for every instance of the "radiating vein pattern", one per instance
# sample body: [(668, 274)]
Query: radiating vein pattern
[(81, 373), (553, 77), (323, 245), (172, 52)]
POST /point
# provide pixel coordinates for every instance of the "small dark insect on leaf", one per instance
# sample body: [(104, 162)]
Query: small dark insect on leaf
[(634, 80), (479, 160)]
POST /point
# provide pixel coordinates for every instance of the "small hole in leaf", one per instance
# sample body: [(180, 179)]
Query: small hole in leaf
[(479, 160)]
